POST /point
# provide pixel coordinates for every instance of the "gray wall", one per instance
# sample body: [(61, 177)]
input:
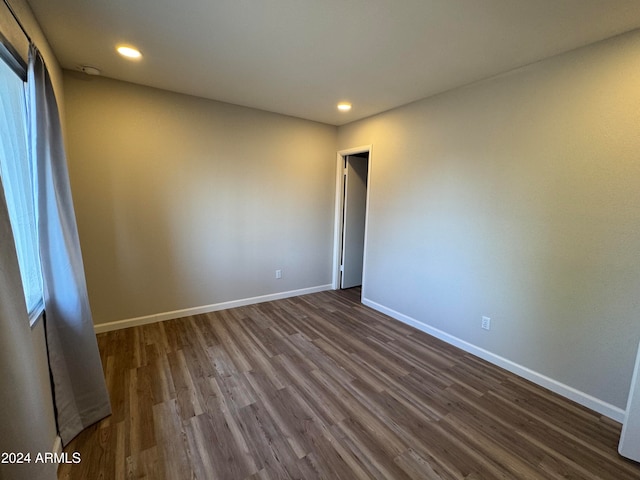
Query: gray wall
[(517, 198), (183, 202)]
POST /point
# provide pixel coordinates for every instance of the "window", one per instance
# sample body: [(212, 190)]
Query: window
[(16, 173)]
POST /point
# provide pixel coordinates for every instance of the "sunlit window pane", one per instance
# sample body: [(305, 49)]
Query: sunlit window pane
[(16, 174)]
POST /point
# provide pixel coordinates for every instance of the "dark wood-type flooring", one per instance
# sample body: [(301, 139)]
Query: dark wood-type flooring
[(320, 386)]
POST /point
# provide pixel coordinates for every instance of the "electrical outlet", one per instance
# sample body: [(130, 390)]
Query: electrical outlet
[(278, 274), (486, 323)]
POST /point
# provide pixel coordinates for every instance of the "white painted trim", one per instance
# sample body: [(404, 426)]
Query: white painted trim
[(57, 449), (337, 228), (566, 391), (161, 317)]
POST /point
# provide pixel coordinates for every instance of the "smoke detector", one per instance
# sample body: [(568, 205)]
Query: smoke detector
[(89, 70)]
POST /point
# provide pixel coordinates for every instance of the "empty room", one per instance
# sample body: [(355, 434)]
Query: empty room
[(295, 239)]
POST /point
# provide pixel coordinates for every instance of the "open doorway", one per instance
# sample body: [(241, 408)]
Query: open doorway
[(351, 217)]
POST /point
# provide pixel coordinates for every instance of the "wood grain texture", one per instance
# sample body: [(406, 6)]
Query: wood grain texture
[(322, 387)]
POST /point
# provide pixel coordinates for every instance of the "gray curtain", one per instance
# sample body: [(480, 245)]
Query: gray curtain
[(80, 392)]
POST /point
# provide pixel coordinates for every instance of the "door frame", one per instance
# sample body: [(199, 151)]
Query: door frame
[(339, 209)]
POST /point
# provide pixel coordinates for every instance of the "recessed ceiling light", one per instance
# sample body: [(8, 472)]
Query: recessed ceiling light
[(129, 52), (344, 106)]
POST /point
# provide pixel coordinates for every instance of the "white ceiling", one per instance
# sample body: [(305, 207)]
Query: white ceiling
[(300, 57)]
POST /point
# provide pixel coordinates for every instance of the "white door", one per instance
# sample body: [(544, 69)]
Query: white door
[(355, 204), (630, 437)]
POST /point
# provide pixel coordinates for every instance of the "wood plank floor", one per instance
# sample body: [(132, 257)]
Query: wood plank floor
[(320, 386)]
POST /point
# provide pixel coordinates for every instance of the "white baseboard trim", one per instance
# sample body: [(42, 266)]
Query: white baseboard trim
[(571, 393), (161, 317), (57, 448)]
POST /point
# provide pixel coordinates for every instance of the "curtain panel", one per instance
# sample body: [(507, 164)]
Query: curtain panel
[(80, 393)]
